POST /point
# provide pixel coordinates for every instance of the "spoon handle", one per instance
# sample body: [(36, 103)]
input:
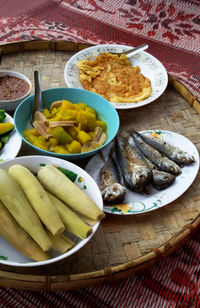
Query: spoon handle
[(38, 94), (135, 50)]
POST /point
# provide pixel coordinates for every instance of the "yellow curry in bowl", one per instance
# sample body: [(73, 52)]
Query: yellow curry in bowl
[(67, 128)]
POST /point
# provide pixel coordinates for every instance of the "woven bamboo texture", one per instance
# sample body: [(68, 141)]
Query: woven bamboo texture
[(123, 244)]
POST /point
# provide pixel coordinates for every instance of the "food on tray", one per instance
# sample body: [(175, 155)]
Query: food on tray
[(12, 232), (58, 184), (172, 152), (138, 164), (135, 171), (19, 207), (20, 220), (6, 129), (38, 198), (61, 243), (12, 88), (163, 163), (67, 128), (111, 178), (114, 78), (160, 179), (2, 115), (71, 220)]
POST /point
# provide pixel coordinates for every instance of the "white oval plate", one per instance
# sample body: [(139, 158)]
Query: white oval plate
[(149, 65), (11, 149), (8, 254), (140, 203)]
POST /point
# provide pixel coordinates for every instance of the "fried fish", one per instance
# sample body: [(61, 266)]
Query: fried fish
[(172, 152), (160, 179), (111, 189), (163, 163), (135, 171)]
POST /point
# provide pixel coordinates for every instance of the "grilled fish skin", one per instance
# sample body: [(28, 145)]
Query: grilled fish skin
[(174, 153), (135, 172), (160, 179), (123, 163), (163, 163), (117, 167), (111, 190)]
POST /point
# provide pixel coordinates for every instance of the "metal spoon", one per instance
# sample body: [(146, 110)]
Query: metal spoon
[(132, 51), (37, 103)]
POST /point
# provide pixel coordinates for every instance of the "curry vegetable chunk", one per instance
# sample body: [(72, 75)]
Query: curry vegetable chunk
[(66, 128)]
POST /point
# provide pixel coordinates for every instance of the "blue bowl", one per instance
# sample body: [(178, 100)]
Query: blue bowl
[(104, 109)]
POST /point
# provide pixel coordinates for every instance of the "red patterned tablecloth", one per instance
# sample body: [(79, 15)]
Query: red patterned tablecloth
[(172, 30)]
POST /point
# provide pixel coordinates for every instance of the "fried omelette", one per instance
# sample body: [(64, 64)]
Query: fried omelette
[(114, 78)]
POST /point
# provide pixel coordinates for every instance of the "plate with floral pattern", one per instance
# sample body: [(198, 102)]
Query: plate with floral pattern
[(12, 257), (150, 67), (136, 203)]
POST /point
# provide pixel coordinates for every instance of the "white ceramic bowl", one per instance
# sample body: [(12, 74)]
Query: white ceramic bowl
[(9, 255), (10, 105)]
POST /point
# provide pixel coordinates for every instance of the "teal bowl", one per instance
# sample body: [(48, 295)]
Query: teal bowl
[(104, 109)]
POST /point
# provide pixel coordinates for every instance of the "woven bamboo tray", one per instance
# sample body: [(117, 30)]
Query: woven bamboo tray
[(122, 245)]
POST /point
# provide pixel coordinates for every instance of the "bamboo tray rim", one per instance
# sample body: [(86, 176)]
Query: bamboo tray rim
[(108, 274), (45, 282)]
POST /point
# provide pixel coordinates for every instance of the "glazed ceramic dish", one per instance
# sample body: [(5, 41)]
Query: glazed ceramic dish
[(104, 109), (142, 203), (149, 65), (8, 254), (11, 105)]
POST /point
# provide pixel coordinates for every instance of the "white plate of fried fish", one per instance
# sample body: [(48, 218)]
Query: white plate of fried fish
[(144, 171), (147, 65)]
